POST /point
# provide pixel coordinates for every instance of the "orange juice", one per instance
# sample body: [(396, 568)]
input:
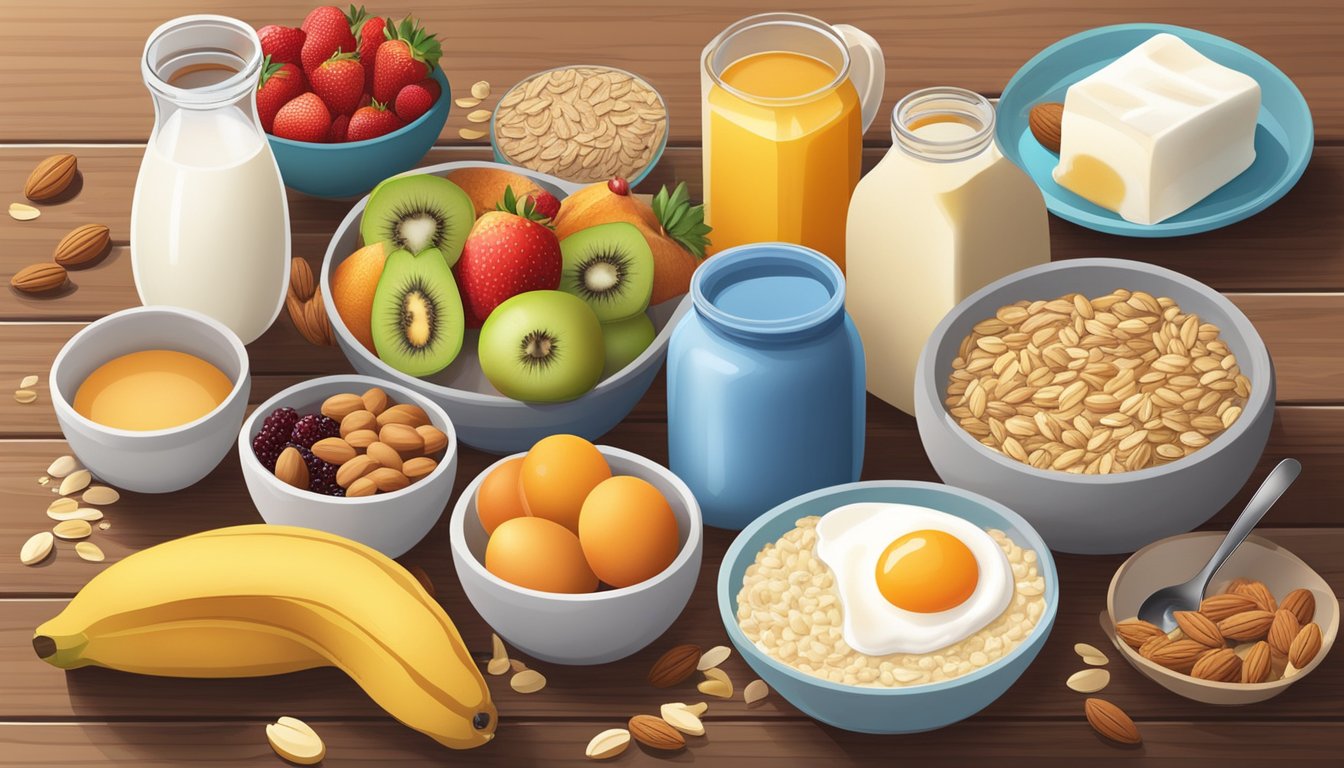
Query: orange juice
[(783, 151), (154, 389)]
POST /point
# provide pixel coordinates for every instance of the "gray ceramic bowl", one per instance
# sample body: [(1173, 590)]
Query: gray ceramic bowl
[(581, 629), (870, 709), (1099, 514), (485, 419), (391, 523), (161, 460)]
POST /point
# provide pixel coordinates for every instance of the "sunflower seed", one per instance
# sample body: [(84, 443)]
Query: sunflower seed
[(89, 551), (75, 482), (713, 657), (755, 691), (36, 548), (479, 116), (72, 529), (28, 382), (608, 744), (466, 102), (470, 134), (1089, 680), (1090, 654)]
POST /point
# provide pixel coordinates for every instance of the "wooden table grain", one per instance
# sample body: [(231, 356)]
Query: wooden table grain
[(72, 83)]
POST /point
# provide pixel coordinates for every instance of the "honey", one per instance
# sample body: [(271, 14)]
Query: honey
[(153, 389)]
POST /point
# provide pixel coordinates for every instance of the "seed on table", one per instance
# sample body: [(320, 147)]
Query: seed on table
[(713, 657), (89, 551), (528, 681), (75, 482), (466, 102), (25, 396), (23, 212), (72, 529), (36, 548), (479, 116), (471, 134), (62, 506), (480, 89), (28, 382), (101, 495), (63, 466), (87, 514)]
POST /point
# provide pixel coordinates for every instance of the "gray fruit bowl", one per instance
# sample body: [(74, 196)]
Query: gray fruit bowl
[(484, 418), (1099, 514)]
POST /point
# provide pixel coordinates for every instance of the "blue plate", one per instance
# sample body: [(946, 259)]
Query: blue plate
[(1283, 135)]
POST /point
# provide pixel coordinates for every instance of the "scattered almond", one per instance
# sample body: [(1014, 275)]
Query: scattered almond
[(1135, 632), (295, 741), (36, 548), (1282, 631), (1259, 594), (674, 666), (28, 382), (676, 716), (1219, 607), (1247, 625), (755, 691), (1222, 665), (104, 525), (1088, 680), (72, 529), (39, 278), (25, 396), (375, 401), (87, 514), (467, 102), (62, 505), (499, 657), (655, 733), (291, 469), (63, 466), (75, 482), (1199, 628), (1305, 646), (101, 495), (22, 212), (713, 657), (1090, 654), (51, 177), (301, 281), (1045, 121), (82, 245), (333, 450), (1257, 665), (89, 551), (527, 681), (716, 683), (1302, 603), (1111, 721), (608, 744), (479, 116)]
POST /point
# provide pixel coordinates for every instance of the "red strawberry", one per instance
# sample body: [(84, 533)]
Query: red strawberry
[(507, 252), (546, 204), (304, 118), (407, 56), (339, 126), (371, 122), (328, 32), (279, 83), (414, 100), (369, 34), (282, 43), (339, 81)]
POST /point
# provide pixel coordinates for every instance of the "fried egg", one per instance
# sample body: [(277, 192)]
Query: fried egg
[(912, 579)]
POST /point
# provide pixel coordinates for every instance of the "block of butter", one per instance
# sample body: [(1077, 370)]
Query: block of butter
[(1157, 130)]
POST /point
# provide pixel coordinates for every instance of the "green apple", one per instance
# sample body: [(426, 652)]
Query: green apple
[(542, 346), (626, 340)]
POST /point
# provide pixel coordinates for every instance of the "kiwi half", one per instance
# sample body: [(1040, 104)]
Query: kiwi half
[(542, 346), (416, 213), (609, 266), (417, 320)]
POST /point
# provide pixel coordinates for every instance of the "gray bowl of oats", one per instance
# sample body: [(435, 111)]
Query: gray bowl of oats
[(582, 123), (1111, 403)]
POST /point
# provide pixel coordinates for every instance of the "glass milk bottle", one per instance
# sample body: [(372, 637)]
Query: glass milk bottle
[(209, 222), (942, 215)]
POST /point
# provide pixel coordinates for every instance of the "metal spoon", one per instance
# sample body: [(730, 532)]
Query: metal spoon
[(1161, 605)]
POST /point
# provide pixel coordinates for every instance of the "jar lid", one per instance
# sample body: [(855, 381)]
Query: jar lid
[(768, 289)]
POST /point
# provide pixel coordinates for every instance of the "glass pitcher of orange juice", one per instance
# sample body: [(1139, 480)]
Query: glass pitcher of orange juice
[(785, 99)]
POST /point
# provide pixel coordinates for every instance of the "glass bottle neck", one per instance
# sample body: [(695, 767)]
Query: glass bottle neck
[(202, 62), (943, 125)]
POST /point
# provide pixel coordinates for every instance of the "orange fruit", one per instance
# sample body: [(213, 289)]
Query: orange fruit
[(353, 284), (628, 531), (538, 554), (485, 186), (557, 475), (498, 498)]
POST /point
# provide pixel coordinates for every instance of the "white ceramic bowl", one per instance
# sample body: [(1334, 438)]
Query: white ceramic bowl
[(391, 523), (1174, 560), (160, 460), (581, 629), (485, 419)]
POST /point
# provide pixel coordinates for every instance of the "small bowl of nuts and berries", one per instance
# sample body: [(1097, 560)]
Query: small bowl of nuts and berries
[(351, 455), (1267, 620)]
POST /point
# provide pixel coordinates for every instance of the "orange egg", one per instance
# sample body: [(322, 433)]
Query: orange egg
[(498, 499), (927, 572), (538, 554), (628, 531), (557, 475)]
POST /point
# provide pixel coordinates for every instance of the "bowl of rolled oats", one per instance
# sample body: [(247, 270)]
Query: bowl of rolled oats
[(791, 615), (583, 123), (1111, 403)]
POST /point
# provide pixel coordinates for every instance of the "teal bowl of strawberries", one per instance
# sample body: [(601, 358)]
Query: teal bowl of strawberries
[(348, 100)]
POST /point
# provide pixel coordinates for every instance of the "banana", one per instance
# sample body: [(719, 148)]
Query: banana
[(264, 599)]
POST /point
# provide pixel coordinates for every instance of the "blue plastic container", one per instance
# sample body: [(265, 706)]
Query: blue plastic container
[(765, 382)]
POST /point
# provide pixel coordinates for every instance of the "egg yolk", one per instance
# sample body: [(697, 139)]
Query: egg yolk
[(927, 572)]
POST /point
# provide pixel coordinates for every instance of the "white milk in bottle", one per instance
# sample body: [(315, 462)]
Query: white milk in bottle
[(210, 221), (941, 216)]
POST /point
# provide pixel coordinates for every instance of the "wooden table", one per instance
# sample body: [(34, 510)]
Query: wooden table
[(72, 83)]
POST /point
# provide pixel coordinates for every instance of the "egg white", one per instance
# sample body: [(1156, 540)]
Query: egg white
[(851, 540)]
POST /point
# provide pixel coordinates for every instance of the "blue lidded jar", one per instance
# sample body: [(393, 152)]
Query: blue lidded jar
[(765, 382)]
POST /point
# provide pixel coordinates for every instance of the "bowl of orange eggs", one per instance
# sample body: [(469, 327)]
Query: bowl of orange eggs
[(576, 553)]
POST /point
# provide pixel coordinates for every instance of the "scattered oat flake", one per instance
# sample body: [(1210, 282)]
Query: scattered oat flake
[(89, 551), (528, 681), (104, 525), (480, 89), (36, 548), (72, 529), (28, 382), (23, 212), (101, 495), (25, 396), (755, 691), (43, 480), (466, 102), (713, 657), (471, 134), (479, 116), (87, 514), (63, 466), (75, 482), (61, 506)]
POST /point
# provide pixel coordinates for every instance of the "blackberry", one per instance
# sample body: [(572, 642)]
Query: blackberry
[(311, 428), (321, 475), (275, 432)]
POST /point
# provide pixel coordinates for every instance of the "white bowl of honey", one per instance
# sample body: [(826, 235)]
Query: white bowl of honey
[(150, 399)]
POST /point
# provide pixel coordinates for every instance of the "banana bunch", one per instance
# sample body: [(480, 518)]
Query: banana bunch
[(264, 600)]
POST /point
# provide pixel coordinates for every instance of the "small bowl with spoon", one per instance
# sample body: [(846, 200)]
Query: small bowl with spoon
[(1156, 581)]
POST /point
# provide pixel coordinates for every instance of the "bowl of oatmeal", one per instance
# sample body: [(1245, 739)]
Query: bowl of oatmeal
[(889, 606)]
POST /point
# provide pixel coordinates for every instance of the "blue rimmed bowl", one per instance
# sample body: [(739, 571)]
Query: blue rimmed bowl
[(887, 710), (354, 167)]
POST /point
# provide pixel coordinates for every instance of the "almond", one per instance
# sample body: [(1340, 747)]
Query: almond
[(1282, 631), (337, 407), (1305, 646), (404, 413), (375, 400), (1221, 665), (402, 437), (357, 421), (37, 547), (71, 530), (51, 177), (1235, 584), (1302, 603), (315, 316), (1046, 121), (361, 487), (298, 315), (1260, 594), (435, 439), (1247, 625), (1136, 632), (713, 657), (419, 467), (1151, 645), (676, 716), (360, 439), (333, 450), (1178, 655), (291, 469), (655, 733), (354, 469), (388, 479), (384, 455), (82, 245), (1199, 628), (301, 282), (39, 278), (1111, 721), (1255, 668), (608, 744), (674, 666), (1220, 607)]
